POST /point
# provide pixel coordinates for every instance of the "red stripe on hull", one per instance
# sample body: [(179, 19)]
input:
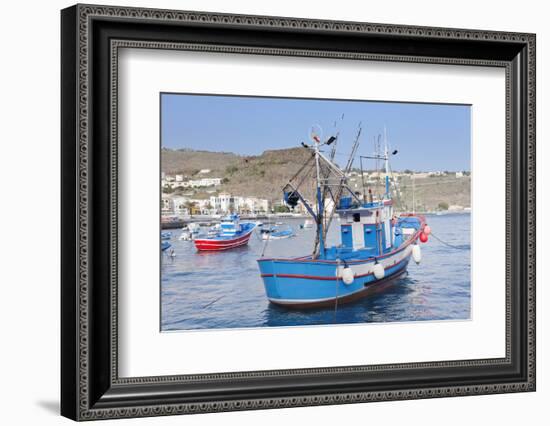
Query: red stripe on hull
[(327, 278)]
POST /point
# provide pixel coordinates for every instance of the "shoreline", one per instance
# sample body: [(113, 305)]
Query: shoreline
[(208, 220)]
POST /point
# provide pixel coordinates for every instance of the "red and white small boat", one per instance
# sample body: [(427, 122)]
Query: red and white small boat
[(232, 234)]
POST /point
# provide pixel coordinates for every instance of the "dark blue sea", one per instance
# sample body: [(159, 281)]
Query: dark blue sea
[(224, 289)]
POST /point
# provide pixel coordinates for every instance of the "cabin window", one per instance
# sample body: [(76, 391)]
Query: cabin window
[(356, 217)]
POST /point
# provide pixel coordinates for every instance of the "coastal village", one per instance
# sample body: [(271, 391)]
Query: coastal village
[(200, 197), (204, 194)]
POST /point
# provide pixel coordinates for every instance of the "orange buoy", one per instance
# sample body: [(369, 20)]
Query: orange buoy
[(423, 237)]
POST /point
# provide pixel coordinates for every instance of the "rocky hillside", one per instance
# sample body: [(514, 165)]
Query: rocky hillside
[(264, 176), (260, 176), (189, 162)]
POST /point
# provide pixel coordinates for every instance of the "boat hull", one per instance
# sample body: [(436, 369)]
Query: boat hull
[(221, 244), (305, 283), (369, 290)]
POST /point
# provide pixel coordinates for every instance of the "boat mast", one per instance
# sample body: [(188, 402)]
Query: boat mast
[(386, 164), (414, 202), (320, 201)]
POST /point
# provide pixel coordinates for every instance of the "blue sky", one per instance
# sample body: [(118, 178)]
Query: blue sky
[(427, 136)]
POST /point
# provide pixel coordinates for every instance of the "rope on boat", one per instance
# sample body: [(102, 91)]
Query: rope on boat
[(212, 302), (446, 243), (336, 288), (265, 244)]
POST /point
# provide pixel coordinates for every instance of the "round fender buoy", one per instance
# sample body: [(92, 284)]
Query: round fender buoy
[(427, 230), (423, 237), (347, 275), (416, 254), (378, 271)]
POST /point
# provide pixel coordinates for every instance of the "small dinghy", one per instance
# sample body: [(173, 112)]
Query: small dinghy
[(308, 224), (277, 233), (232, 234), (165, 235), (186, 235), (165, 245), (190, 232)]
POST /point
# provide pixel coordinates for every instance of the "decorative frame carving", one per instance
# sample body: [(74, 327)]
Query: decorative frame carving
[(84, 396)]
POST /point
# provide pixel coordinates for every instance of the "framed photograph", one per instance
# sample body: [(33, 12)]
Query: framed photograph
[(263, 212)]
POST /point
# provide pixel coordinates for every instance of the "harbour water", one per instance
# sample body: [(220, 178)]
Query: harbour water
[(217, 290)]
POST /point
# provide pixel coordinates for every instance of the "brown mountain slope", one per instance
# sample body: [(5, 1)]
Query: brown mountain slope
[(265, 175), (260, 176)]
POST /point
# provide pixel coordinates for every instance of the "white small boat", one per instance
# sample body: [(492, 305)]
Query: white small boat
[(189, 232), (277, 233), (186, 235), (308, 224), (194, 227)]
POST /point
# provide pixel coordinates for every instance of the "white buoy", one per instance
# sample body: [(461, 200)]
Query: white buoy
[(417, 254), (378, 271), (347, 276)]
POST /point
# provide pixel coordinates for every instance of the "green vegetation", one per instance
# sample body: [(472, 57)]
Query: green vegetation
[(443, 205), (281, 209), (231, 170)]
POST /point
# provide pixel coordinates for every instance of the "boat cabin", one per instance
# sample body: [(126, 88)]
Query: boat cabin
[(366, 227), (230, 225)]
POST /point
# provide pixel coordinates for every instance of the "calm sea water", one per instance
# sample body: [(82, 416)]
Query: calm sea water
[(224, 289)]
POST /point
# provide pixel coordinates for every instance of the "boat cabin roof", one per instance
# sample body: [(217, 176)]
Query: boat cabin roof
[(364, 209), (230, 218)]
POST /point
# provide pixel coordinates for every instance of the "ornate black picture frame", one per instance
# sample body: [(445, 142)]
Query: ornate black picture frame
[(91, 36)]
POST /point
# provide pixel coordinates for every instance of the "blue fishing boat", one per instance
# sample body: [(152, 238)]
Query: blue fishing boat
[(165, 235), (232, 234), (376, 246), (165, 245)]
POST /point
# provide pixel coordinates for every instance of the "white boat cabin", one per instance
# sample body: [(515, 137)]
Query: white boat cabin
[(230, 225), (367, 226)]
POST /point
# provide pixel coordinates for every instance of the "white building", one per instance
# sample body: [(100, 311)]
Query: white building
[(180, 205), (166, 205), (205, 182), (179, 182), (223, 202), (226, 203), (251, 204)]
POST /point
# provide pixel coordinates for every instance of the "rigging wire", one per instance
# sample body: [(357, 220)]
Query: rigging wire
[(447, 244)]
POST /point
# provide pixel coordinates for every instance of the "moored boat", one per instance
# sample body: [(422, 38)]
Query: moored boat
[(308, 224), (165, 245), (376, 246), (232, 234), (190, 231), (277, 232)]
